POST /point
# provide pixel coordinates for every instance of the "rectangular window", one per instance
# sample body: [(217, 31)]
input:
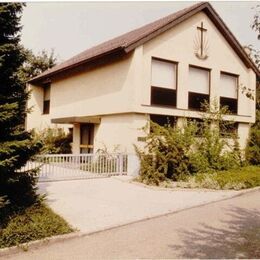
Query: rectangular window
[(200, 123), (228, 129), (164, 83), (229, 92), (46, 98), (199, 85), (164, 120)]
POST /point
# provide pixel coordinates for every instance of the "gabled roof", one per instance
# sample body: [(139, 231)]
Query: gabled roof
[(129, 41)]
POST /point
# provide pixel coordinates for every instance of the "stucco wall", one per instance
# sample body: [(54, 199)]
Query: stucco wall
[(103, 90), (177, 45), (118, 133), (243, 132), (123, 87), (36, 119)]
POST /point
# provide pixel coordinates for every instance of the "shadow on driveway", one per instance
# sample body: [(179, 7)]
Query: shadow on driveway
[(239, 239)]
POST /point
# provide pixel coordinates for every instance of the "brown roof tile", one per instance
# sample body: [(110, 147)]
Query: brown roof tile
[(129, 41)]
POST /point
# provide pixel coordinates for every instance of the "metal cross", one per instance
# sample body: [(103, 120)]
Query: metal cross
[(202, 30)]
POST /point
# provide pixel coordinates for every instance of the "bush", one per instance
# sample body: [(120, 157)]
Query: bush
[(243, 178), (212, 152), (253, 145), (174, 153), (33, 223), (166, 155), (54, 140)]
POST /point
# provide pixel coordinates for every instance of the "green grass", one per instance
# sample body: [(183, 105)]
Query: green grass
[(33, 223), (243, 178)]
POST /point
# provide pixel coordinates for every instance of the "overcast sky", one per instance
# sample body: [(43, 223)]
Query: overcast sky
[(70, 28)]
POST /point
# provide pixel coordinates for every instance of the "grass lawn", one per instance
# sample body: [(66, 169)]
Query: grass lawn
[(35, 222), (243, 178)]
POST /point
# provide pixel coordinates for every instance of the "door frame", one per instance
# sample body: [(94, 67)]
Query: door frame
[(90, 144)]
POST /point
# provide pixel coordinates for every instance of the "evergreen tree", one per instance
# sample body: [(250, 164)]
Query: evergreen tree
[(16, 146)]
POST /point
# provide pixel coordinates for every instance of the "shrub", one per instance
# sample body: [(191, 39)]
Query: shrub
[(174, 153), (166, 154), (218, 148), (212, 152), (243, 178), (54, 140), (253, 145)]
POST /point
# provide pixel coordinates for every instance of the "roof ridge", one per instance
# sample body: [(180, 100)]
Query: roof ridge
[(130, 40)]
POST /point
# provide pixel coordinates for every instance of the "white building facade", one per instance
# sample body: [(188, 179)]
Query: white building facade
[(162, 70)]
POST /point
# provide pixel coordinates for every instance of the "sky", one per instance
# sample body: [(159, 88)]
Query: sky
[(71, 27)]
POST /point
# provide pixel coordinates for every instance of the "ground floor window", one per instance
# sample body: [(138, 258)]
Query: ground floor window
[(200, 126), (164, 120), (228, 129)]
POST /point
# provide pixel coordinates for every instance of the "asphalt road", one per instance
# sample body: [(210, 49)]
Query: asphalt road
[(225, 229)]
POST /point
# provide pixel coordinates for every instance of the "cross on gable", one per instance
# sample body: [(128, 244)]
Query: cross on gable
[(202, 30)]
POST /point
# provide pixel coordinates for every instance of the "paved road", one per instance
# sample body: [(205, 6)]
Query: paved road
[(225, 229)]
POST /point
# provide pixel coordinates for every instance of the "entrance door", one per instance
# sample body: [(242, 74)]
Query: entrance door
[(86, 138)]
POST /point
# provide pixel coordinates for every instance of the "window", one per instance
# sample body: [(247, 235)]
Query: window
[(164, 83), (163, 120), (229, 91), (200, 123), (199, 81), (228, 129), (46, 99)]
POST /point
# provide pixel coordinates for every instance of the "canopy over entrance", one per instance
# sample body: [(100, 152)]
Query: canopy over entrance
[(77, 119)]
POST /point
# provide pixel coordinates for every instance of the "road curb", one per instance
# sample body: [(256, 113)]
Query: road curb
[(77, 234)]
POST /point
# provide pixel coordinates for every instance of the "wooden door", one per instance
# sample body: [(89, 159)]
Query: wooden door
[(86, 138)]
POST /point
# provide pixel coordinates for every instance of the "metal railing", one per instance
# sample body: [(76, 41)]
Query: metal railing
[(70, 166)]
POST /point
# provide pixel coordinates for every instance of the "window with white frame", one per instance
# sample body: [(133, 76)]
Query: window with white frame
[(199, 87), (228, 91), (163, 83)]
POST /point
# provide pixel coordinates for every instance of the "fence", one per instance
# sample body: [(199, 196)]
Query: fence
[(70, 166)]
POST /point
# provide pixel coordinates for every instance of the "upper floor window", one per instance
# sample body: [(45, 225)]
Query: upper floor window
[(229, 91), (46, 98), (164, 83), (199, 87)]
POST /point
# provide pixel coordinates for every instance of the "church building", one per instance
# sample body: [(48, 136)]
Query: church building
[(161, 71)]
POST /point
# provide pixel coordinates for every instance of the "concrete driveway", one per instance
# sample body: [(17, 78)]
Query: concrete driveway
[(96, 204), (227, 229)]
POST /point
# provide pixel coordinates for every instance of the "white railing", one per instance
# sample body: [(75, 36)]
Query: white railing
[(70, 166)]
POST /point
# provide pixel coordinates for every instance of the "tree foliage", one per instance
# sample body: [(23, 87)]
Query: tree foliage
[(253, 146), (54, 140), (36, 64), (174, 153), (16, 145), (256, 21)]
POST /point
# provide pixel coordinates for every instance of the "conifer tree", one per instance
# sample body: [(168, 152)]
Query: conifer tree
[(16, 146)]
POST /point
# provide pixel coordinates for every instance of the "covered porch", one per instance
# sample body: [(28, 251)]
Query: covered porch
[(84, 131)]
